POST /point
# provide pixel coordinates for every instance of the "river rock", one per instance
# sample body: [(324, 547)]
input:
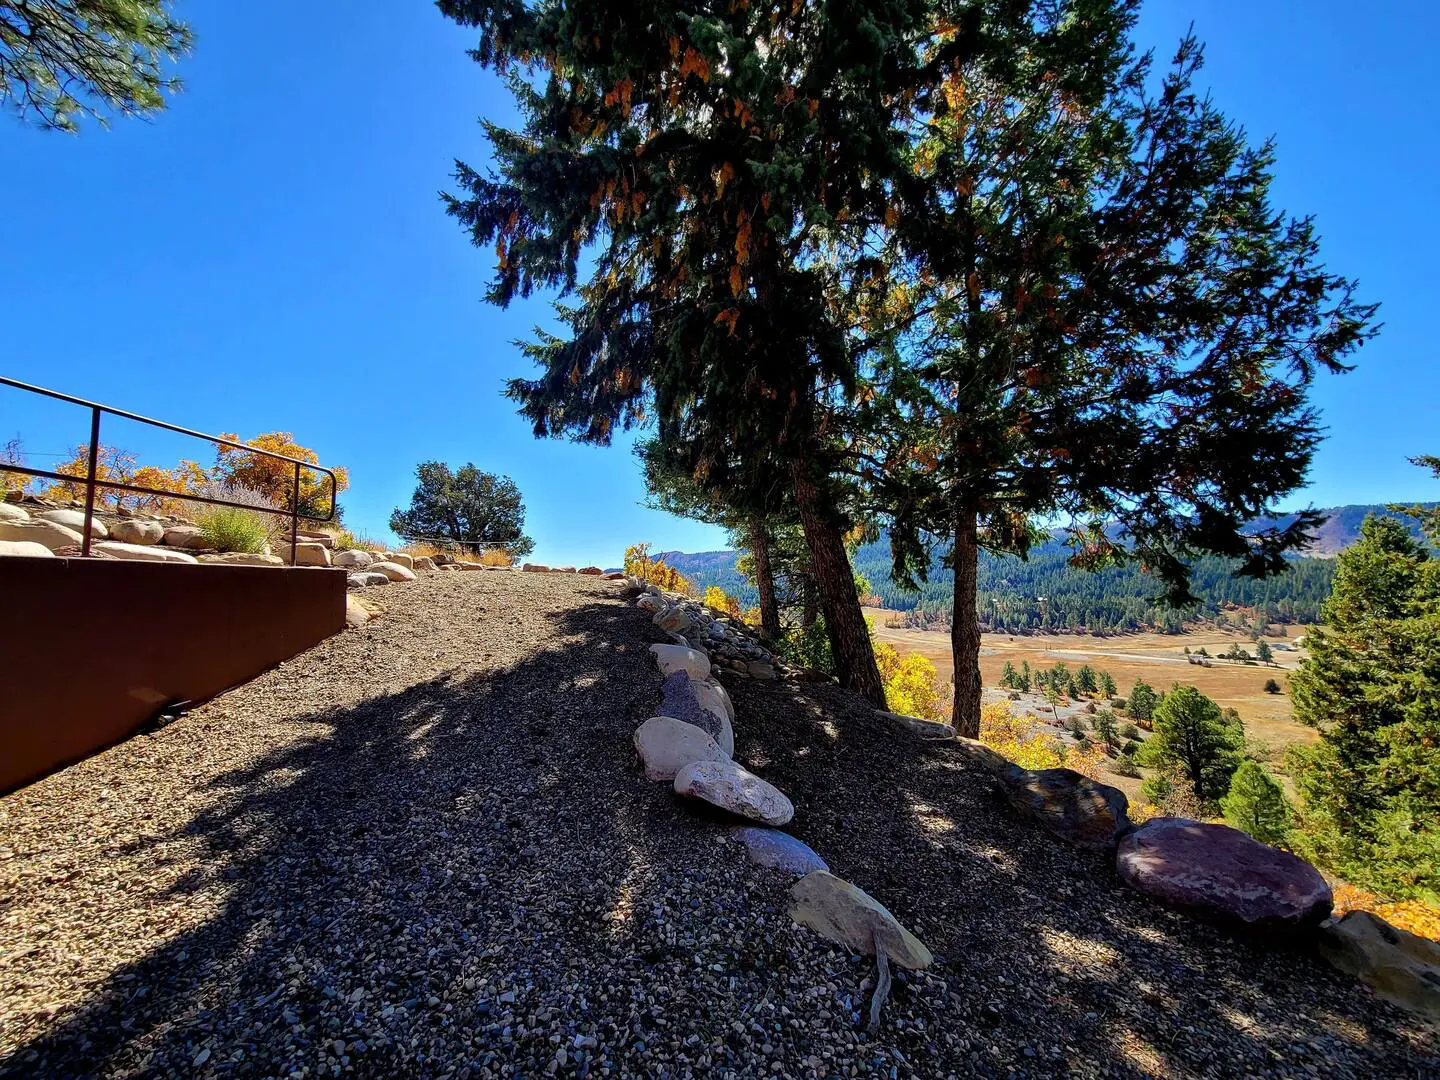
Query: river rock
[(1399, 966), (137, 531), (650, 602), (401, 558), (674, 619), (1222, 873), (75, 519), (310, 554), (667, 745), (393, 571), (143, 552), (423, 562), (672, 658), (242, 558), (50, 534), (712, 697), (27, 548), (352, 557), (736, 789), (12, 513), (370, 578), (847, 915), (678, 699), (760, 669), (777, 850), (184, 536), (1064, 803)]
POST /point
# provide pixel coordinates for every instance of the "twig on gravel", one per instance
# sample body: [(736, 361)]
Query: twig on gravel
[(882, 986)]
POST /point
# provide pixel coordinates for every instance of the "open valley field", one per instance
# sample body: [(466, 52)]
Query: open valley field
[(1159, 659)]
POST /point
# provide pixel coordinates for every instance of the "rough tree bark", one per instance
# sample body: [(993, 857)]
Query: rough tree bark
[(835, 580), (965, 629), (764, 580)]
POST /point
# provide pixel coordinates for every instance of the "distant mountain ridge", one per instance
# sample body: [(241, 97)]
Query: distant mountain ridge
[(1044, 592)]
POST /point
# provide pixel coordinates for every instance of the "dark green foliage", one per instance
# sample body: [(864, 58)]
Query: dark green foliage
[(1256, 804), (1194, 738), (1124, 766), (808, 646), (64, 60), (1272, 687), (1105, 728), (1009, 677), (1141, 705), (1130, 731), (1263, 652), (1370, 788), (468, 507), (1107, 684)]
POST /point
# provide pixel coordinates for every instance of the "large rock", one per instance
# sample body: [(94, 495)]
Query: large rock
[(924, 729), (352, 557), (592, 571), (356, 614), (1068, 805), (1221, 873), (50, 534), (778, 850), (650, 602), (401, 558), (137, 531), (672, 658), (27, 548), (674, 619), (185, 536), (12, 513), (393, 571), (143, 552), (535, 568), (423, 562), (369, 578), (847, 915), (713, 698), (667, 745), (1399, 966), (678, 699), (241, 558), (760, 669), (75, 519), (736, 789), (309, 554)]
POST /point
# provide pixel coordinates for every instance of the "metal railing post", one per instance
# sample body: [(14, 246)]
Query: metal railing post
[(295, 516), (90, 479)]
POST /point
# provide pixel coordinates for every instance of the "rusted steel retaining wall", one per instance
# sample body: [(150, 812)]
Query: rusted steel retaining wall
[(93, 649)]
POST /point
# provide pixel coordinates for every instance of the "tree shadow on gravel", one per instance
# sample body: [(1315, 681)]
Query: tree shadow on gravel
[(403, 886), (1049, 963), (469, 873)]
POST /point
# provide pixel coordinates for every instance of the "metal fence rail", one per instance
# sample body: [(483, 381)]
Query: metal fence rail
[(91, 482)]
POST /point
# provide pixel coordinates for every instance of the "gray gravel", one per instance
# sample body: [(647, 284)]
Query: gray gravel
[(424, 848)]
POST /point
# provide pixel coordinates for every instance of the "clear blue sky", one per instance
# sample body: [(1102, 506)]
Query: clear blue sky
[(270, 253)]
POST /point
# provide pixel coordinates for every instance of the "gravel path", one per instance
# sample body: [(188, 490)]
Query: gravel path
[(425, 848)]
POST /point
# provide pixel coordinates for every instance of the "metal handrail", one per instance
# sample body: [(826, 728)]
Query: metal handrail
[(91, 482)]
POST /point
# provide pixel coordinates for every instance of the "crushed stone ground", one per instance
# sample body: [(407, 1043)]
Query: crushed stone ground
[(425, 848)]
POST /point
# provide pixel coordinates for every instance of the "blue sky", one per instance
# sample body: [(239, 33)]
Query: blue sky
[(271, 254)]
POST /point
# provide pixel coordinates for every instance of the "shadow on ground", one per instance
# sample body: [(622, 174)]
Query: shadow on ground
[(467, 874)]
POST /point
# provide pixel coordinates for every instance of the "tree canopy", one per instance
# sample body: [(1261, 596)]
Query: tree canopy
[(62, 61), (468, 507)]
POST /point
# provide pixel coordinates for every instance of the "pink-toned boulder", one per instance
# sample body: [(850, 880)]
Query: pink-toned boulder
[(593, 571), (1223, 874)]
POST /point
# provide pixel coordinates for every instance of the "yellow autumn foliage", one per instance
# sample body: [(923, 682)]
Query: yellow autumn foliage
[(638, 563), (717, 599), (910, 686), (1416, 916)]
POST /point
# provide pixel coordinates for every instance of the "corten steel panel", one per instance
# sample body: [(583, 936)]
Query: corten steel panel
[(92, 649)]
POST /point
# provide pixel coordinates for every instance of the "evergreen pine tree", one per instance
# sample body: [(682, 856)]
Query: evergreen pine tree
[(1193, 736), (1107, 684), (1256, 804), (1142, 702), (1008, 676)]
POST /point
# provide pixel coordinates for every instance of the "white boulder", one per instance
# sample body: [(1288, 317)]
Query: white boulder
[(311, 554), (28, 548), (49, 533), (393, 571), (12, 513), (671, 658), (75, 519), (736, 789), (143, 552), (137, 531), (401, 558), (667, 745), (352, 557)]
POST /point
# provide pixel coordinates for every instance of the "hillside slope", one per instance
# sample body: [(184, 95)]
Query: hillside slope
[(1045, 592), (426, 848)]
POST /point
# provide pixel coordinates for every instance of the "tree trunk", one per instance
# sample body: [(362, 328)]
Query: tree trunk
[(965, 629), (764, 580), (809, 602), (844, 621)]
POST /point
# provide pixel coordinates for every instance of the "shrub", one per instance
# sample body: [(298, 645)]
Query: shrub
[(1271, 686), (345, 540), (229, 528), (496, 557), (1130, 731), (807, 646), (1123, 766)]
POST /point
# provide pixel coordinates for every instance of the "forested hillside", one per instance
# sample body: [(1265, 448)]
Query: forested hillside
[(1045, 592)]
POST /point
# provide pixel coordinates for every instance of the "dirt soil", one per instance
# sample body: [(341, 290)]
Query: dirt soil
[(425, 848)]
